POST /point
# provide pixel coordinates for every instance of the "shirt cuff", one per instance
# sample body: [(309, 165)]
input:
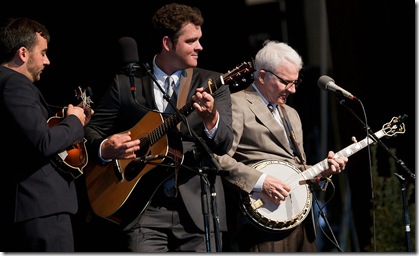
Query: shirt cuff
[(259, 184), (211, 133), (104, 161)]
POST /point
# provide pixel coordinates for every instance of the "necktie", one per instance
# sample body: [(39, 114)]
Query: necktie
[(170, 89), (275, 113), (170, 186), (271, 108)]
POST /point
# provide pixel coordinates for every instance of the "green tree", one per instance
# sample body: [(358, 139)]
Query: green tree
[(391, 230)]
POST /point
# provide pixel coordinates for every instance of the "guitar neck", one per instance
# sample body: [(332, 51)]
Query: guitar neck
[(239, 76), (188, 108), (318, 168), (171, 122)]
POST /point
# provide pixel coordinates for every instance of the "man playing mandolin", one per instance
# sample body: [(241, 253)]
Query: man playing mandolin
[(38, 199), (268, 136)]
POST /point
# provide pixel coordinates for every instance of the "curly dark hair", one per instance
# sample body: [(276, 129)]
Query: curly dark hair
[(170, 19)]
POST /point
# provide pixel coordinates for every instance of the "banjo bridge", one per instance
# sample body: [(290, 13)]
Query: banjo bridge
[(257, 204)]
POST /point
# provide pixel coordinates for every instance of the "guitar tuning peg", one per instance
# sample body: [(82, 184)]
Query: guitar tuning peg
[(354, 140)]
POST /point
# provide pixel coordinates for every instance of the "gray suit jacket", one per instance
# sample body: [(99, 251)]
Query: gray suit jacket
[(257, 137)]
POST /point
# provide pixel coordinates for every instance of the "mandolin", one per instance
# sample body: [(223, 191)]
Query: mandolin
[(74, 158)]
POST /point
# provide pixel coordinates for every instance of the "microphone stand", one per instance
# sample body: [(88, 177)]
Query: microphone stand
[(398, 161), (405, 210), (210, 174), (206, 172), (323, 215)]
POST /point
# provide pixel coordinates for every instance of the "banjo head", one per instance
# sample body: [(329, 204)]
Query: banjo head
[(289, 213)]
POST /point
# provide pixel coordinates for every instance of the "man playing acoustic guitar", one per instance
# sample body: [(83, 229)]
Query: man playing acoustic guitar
[(147, 158)]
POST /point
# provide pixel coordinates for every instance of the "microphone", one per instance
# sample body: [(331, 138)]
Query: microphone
[(327, 83), (129, 52), (313, 181)]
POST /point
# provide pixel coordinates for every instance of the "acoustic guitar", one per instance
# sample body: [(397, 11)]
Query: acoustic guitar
[(111, 186)]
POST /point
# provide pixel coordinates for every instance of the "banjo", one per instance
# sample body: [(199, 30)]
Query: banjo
[(291, 212)]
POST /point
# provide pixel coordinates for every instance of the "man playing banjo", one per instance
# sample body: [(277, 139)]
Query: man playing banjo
[(267, 158)]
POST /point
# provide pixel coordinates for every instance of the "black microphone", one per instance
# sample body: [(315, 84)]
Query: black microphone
[(129, 54), (312, 181), (130, 60), (327, 83)]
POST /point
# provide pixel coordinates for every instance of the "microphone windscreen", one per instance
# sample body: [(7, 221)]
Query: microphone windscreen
[(129, 50), (323, 81)]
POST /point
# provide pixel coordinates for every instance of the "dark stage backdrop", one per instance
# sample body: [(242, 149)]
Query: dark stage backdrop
[(372, 47)]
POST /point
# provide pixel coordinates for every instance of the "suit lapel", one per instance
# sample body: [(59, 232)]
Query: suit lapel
[(49, 112), (149, 96), (261, 111)]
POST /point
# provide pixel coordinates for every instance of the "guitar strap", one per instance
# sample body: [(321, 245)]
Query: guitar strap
[(290, 132), (184, 87)]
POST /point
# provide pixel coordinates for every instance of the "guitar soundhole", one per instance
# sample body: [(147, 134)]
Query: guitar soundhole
[(133, 169), (144, 147), (135, 166)]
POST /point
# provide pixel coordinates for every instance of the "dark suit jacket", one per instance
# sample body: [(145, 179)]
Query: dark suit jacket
[(118, 112), (32, 186), (257, 137)]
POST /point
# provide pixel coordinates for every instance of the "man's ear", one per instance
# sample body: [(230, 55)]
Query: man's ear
[(167, 43), (261, 76), (23, 54)]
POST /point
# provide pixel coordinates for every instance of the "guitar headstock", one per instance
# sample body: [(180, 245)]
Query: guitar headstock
[(84, 96), (240, 77), (395, 126)]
